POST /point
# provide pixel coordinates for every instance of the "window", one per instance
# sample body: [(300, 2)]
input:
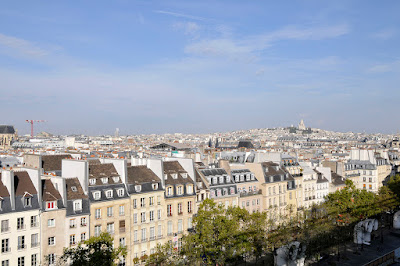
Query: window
[(138, 188), (370, 186), (154, 186), (5, 263), (370, 179), (74, 189), (97, 195), (152, 233), (180, 208), (143, 217), (34, 259), (122, 242), (78, 205), (169, 210), (151, 201), (97, 213), (83, 221), (180, 190), (159, 200), (97, 230), (72, 223), (27, 201), (51, 205), (159, 231), (221, 179), (190, 224), (109, 194), (92, 181), (83, 236), (135, 236), (121, 210), (180, 226), (120, 192), (189, 189), (72, 240), (110, 211), (232, 190), (135, 218), (142, 202), (51, 241), (364, 179), (51, 222), (122, 226), (189, 206), (134, 203), (5, 245), (144, 234), (116, 179), (5, 226), (104, 180), (159, 214), (34, 221), (20, 223), (51, 259), (151, 216), (169, 228), (21, 261), (110, 228), (169, 191)]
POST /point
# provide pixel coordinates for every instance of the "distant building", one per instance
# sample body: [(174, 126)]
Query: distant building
[(301, 125), (7, 136)]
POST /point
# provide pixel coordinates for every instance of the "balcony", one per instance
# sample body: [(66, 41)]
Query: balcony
[(136, 241), (111, 232), (160, 236), (252, 193), (83, 224), (353, 175), (36, 224), (122, 229), (21, 247), (152, 238), (170, 234), (144, 240), (21, 227), (34, 245), (180, 213), (72, 226)]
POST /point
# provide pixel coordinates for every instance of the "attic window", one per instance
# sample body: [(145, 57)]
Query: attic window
[(104, 180), (109, 194), (138, 188), (77, 205), (165, 176), (51, 205), (228, 179), (96, 195), (184, 175), (175, 176), (73, 188), (252, 177), (120, 192), (116, 179), (27, 200), (1, 203), (154, 186), (92, 181)]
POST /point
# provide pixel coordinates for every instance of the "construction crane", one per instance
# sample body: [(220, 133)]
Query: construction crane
[(34, 121)]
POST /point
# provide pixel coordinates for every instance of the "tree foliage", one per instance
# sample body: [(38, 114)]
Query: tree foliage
[(94, 251)]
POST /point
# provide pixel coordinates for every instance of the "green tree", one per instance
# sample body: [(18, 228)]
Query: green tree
[(94, 251), (394, 185)]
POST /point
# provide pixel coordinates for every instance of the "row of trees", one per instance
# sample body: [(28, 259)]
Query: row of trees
[(230, 235)]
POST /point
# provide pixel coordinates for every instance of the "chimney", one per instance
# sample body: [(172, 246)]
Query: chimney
[(7, 177)]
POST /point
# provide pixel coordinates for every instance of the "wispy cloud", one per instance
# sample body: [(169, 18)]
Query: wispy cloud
[(251, 44), (189, 28), (181, 15), (384, 34), (19, 47), (386, 67)]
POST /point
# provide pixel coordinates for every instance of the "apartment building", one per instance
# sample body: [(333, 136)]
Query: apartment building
[(248, 187), (53, 222), (180, 199), (147, 208), (19, 219), (109, 205)]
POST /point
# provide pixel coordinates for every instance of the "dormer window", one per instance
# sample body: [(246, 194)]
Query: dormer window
[(77, 205), (92, 181), (248, 177), (165, 176), (104, 180), (51, 205), (228, 179), (169, 191), (120, 192), (221, 179), (175, 176), (241, 178), (73, 188), (180, 190), (215, 180), (1, 203), (27, 200), (138, 188), (252, 177), (189, 189), (96, 195), (232, 190), (154, 186), (109, 194), (237, 178), (184, 175), (116, 179)]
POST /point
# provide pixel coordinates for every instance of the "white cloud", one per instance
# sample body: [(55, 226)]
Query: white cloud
[(189, 28), (384, 68), (384, 34), (181, 15), (19, 47)]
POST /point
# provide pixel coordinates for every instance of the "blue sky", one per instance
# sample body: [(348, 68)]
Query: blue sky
[(199, 66)]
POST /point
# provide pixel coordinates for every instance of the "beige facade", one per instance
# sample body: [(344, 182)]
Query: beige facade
[(53, 234)]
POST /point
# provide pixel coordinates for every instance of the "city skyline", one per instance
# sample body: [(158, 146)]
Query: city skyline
[(177, 66)]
